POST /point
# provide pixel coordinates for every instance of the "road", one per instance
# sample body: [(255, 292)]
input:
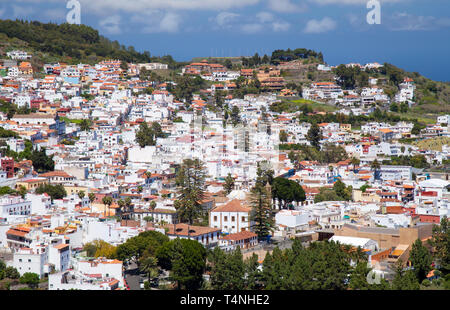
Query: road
[(132, 277)]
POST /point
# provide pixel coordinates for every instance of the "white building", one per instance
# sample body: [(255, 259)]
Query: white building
[(18, 55), (364, 243), (297, 220), (98, 274), (13, 206), (31, 260), (232, 217)]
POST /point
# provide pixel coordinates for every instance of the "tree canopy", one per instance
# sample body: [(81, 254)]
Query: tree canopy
[(287, 191), (190, 181)]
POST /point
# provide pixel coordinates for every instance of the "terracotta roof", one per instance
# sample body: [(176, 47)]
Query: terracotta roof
[(240, 236), (56, 174), (233, 206), (61, 246), (182, 230), (16, 233)]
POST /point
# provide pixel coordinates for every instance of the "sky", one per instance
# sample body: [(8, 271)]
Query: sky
[(412, 34)]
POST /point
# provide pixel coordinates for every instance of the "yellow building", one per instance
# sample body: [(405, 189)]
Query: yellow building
[(71, 189), (367, 196), (31, 184), (346, 127)]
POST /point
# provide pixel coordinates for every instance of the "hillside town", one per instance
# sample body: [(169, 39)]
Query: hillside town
[(95, 157)]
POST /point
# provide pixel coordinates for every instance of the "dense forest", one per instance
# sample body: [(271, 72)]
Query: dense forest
[(79, 42), (298, 53)]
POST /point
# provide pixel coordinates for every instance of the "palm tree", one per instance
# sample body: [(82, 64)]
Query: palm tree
[(152, 208), (148, 174), (85, 125), (331, 169), (149, 265), (128, 208), (376, 167), (81, 194), (121, 204), (91, 199), (107, 201), (355, 162)]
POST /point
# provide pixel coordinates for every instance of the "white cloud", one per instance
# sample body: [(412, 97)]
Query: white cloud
[(320, 26), (170, 23), (280, 26), (262, 21), (264, 17), (111, 24), (223, 19), (353, 2), (155, 21), (140, 5), (102, 6), (286, 6)]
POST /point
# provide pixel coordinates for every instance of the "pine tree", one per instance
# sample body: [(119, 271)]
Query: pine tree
[(191, 189), (404, 280), (421, 260), (314, 136), (253, 274), (261, 211), (441, 243), (229, 184)]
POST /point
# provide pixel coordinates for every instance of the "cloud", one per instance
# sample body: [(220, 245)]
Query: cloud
[(408, 22), (280, 26), (286, 6), (111, 24), (264, 17), (320, 26), (223, 19), (249, 24), (170, 23), (353, 2), (102, 6), (155, 21)]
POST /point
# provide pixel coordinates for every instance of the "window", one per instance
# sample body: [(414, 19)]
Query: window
[(20, 260), (225, 218), (233, 219), (215, 218), (243, 219)]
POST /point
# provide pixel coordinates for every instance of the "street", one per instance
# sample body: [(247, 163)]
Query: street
[(132, 277)]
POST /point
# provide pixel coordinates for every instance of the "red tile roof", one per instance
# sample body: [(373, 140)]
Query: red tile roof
[(233, 206)]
